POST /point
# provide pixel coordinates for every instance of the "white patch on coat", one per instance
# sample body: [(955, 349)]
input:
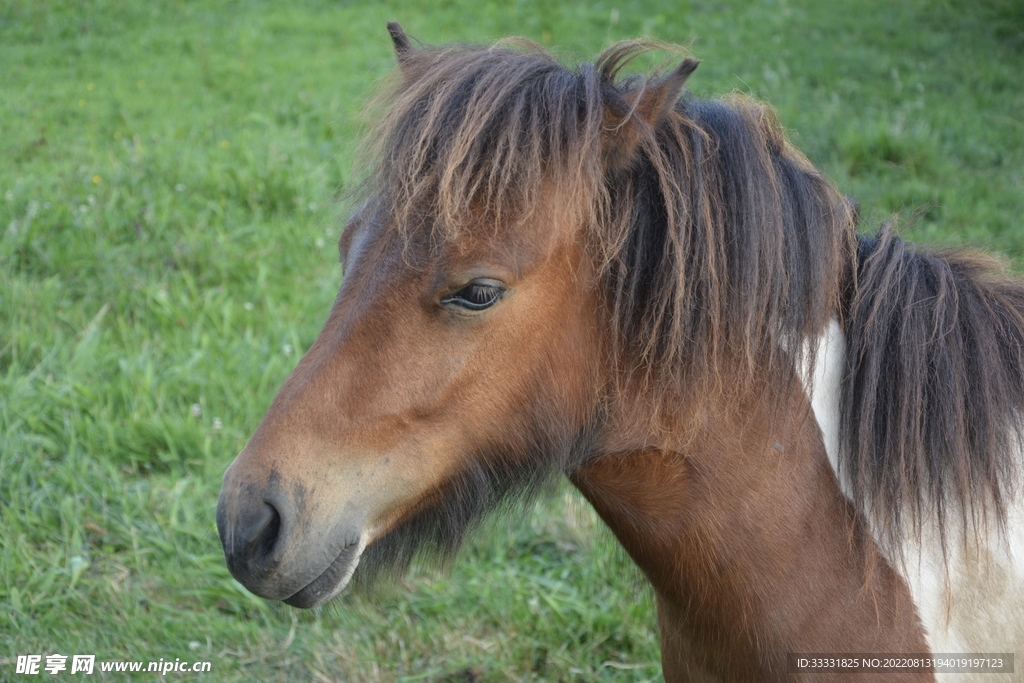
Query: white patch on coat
[(974, 601)]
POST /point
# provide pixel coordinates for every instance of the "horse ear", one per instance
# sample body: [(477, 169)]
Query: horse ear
[(403, 47), (644, 109)]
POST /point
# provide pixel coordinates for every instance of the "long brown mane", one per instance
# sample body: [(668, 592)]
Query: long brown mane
[(933, 401), (718, 242), (720, 249)]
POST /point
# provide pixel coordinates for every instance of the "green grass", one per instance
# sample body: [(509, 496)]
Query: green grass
[(167, 251)]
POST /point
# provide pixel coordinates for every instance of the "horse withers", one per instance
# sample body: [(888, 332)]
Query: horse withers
[(807, 440)]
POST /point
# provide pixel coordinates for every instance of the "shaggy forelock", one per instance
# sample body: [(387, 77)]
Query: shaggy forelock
[(476, 132)]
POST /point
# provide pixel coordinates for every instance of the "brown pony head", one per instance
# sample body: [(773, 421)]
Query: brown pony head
[(536, 246)]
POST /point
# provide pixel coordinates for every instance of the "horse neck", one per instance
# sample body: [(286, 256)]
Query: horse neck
[(751, 548)]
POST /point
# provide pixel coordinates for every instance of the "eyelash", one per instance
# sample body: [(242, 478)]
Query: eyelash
[(476, 296)]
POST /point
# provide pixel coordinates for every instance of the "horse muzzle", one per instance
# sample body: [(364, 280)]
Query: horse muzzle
[(279, 548)]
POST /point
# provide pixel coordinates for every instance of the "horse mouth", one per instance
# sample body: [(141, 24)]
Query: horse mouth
[(332, 580)]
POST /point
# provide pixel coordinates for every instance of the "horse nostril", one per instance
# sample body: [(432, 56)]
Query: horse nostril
[(264, 534), (255, 523), (267, 539)]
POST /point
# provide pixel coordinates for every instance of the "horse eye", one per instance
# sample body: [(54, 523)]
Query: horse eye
[(475, 296)]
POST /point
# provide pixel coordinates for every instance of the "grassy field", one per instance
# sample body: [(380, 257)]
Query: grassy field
[(168, 227)]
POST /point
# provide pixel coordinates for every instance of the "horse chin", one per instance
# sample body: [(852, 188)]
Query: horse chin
[(333, 579)]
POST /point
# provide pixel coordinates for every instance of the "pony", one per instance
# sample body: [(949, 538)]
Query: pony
[(809, 441)]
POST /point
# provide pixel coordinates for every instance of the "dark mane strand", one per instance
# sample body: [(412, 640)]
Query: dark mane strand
[(735, 249), (934, 390)]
